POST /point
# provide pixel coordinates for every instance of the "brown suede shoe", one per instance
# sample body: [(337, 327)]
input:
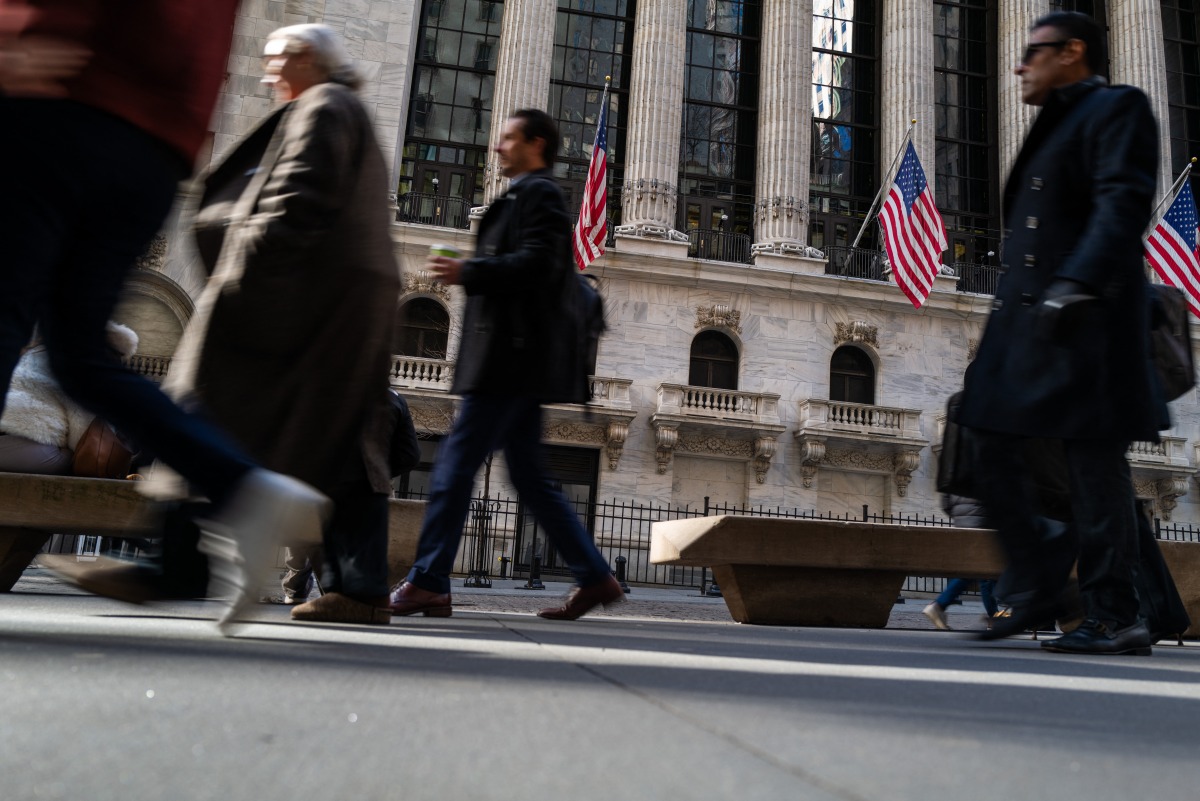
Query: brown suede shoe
[(333, 607), (408, 599), (112, 578), (584, 599)]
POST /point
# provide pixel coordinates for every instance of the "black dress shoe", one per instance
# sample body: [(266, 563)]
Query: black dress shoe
[(1095, 637), (1033, 616)]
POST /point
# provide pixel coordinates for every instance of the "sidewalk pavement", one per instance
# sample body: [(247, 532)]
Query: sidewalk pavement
[(679, 604)]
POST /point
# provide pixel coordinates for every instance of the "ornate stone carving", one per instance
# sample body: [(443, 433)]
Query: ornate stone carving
[(1145, 489), (811, 456), (1167, 490), (665, 439), (859, 460), (764, 449), (582, 433), (616, 434), (432, 419), (906, 462), (856, 331), (972, 349), (719, 314), (424, 282), (702, 443), (155, 256)]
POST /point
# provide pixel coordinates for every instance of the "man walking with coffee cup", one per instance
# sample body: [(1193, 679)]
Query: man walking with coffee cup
[(506, 369)]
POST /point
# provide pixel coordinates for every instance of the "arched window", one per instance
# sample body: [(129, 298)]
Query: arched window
[(424, 327), (851, 376), (714, 361)]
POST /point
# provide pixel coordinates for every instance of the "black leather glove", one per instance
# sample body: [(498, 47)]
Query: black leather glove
[(1063, 305)]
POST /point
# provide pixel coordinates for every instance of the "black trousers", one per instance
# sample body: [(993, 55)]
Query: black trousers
[(1102, 534)]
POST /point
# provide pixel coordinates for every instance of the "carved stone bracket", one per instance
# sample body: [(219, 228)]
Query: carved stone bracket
[(856, 331), (1168, 490), (719, 314), (811, 456), (972, 349), (665, 439), (906, 462), (764, 449), (423, 281), (771, 207), (617, 433)]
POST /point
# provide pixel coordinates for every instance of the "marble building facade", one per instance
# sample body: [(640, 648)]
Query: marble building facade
[(801, 107)]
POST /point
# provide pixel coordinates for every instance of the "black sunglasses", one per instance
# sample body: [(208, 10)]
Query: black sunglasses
[(1031, 49)]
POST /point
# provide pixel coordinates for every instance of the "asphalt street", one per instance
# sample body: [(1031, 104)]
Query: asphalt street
[(107, 701)]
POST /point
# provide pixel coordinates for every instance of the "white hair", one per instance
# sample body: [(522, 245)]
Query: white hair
[(328, 53)]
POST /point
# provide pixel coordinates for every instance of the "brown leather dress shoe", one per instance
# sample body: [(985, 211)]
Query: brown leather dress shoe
[(112, 578), (408, 599), (333, 607), (584, 599)]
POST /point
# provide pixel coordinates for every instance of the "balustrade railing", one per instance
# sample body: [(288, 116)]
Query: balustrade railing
[(420, 372), (1158, 449), (153, 367), (860, 418), (704, 243), (446, 212), (717, 404), (704, 399), (878, 418)]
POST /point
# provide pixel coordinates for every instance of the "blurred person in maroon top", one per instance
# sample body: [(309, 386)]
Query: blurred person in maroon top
[(103, 108)]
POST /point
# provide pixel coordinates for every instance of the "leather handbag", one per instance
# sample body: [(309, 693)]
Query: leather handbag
[(1171, 341), (101, 453), (955, 462)]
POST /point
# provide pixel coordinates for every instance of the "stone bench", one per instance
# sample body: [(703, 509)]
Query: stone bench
[(844, 573), (34, 506)]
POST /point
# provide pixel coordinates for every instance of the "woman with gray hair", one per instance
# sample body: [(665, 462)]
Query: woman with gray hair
[(289, 347)]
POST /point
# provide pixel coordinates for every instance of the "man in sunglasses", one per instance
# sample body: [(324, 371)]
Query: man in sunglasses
[(1065, 354)]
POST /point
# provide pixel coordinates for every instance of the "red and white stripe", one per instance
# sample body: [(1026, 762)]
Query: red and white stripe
[(914, 241), (592, 228), (1175, 263)]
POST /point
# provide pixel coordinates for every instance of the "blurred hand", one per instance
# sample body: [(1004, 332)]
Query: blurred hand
[(35, 65), (1064, 305), (445, 269)]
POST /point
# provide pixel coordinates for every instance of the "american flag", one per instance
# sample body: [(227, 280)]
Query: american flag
[(592, 227), (912, 230), (1171, 247)]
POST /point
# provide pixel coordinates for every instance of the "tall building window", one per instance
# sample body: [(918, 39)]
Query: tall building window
[(592, 39), (845, 121), (720, 116), (851, 376), (1180, 18), (449, 117), (966, 159), (714, 361), (423, 329)]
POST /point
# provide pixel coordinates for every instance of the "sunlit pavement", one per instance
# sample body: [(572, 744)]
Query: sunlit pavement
[(107, 701)]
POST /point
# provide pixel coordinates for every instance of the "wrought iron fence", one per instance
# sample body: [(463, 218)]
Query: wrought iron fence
[(1180, 532), (705, 243), (446, 212), (855, 263)]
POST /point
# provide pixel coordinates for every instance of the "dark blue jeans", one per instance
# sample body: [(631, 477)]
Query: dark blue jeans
[(486, 424), (956, 587), (83, 193)]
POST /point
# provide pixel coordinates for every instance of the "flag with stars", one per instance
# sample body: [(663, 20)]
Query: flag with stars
[(592, 228), (912, 230), (1171, 247)]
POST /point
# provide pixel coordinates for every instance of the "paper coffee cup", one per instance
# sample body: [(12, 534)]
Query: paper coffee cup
[(445, 250)]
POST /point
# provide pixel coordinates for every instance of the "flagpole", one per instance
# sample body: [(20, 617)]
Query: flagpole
[(886, 183), (1170, 196)]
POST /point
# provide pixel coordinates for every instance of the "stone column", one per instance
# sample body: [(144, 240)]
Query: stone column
[(907, 70), (784, 128), (1135, 41), (526, 52), (1014, 116), (649, 195)]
